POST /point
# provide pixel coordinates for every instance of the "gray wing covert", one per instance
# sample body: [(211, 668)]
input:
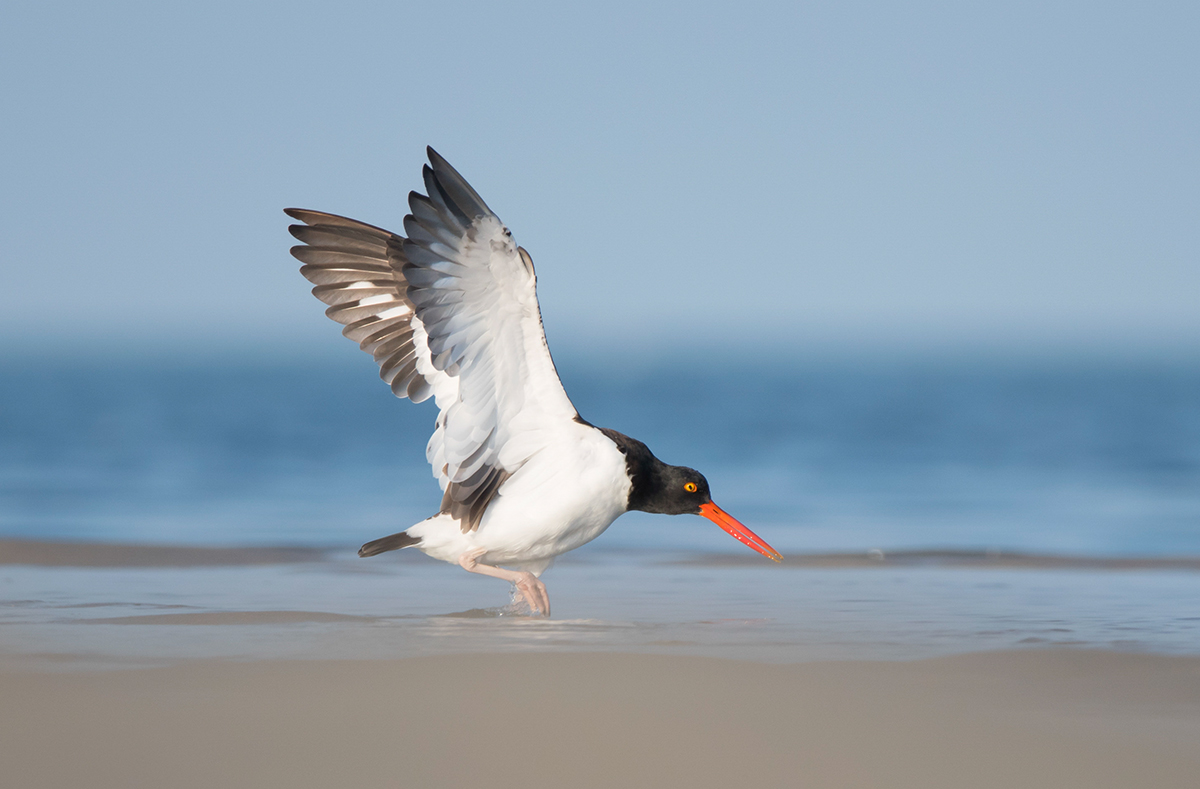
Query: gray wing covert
[(448, 283)]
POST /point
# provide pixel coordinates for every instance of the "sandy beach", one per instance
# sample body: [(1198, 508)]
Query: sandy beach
[(161, 666), (1054, 718)]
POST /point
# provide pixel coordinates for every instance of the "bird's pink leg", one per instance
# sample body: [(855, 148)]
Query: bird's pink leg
[(532, 589)]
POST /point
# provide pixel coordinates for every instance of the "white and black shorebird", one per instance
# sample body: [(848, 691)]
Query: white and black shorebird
[(451, 312)]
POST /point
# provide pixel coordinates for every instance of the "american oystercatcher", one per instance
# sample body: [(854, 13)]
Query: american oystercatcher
[(451, 312)]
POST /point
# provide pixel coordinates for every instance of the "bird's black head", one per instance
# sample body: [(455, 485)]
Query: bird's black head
[(676, 490), (655, 486), (672, 490)]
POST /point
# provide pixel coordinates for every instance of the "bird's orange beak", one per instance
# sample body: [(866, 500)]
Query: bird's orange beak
[(739, 532)]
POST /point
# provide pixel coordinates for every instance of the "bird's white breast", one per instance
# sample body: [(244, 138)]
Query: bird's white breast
[(564, 496)]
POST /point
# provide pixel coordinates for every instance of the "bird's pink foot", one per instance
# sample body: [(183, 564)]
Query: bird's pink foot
[(532, 590)]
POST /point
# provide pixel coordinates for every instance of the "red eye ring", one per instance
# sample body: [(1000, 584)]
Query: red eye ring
[(690, 487)]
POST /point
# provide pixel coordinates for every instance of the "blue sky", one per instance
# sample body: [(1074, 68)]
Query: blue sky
[(764, 176)]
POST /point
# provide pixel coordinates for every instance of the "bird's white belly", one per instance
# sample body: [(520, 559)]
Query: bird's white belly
[(563, 497)]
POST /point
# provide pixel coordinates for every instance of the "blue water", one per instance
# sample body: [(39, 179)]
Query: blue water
[(1097, 460), (1100, 459)]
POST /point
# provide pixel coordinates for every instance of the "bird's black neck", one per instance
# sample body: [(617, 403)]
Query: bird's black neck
[(645, 471), (656, 486)]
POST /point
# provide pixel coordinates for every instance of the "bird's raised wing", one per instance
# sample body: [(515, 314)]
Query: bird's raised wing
[(450, 311)]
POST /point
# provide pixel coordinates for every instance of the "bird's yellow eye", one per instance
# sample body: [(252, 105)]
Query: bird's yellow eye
[(690, 487)]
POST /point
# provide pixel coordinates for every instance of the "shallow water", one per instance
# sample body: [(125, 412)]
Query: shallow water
[(350, 608)]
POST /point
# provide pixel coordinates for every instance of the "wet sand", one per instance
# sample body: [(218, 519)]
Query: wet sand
[(1049, 718), (48, 553), (983, 560), (116, 674)]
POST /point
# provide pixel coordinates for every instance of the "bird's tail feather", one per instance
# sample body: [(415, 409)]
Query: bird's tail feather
[(392, 542)]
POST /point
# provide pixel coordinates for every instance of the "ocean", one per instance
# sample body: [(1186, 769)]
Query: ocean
[(816, 457), (897, 481)]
